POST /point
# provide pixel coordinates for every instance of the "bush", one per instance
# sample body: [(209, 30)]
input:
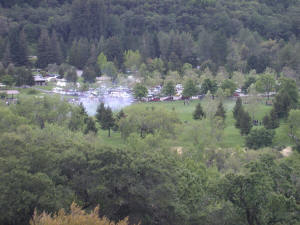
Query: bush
[(260, 137), (32, 92)]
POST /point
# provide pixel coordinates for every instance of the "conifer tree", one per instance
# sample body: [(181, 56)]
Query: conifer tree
[(11, 69), (55, 54), (71, 76), (198, 113), (105, 118), (2, 69), (79, 53), (244, 122), (271, 121), (89, 75), (43, 50), (237, 107), (221, 111), (18, 47), (100, 112), (7, 56), (90, 126)]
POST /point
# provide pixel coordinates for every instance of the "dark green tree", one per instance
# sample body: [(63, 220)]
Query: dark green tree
[(209, 85), (100, 112), (198, 113), (113, 49), (259, 138), (244, 122), (271, 121), (2, 69), (55, 53), (7, 55), (282, 104), (79, 53), (89, 75), (23, 76), (190, 89), (18, 47), (71, 76), (221, 111), (105, 117), (219, 49), (43, 50), (90, 125), (238, 106), (169, 88), (140, 91)]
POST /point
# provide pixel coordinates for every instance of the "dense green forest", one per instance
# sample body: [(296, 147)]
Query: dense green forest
[(238, 35), (51, 157)]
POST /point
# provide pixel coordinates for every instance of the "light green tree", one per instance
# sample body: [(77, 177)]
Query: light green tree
[(132, 60), (140, 91), (266, 84)]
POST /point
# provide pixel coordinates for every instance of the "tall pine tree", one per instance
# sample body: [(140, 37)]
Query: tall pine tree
[(18, 47), (198, 113), (55, 54), (221, 111), (43, 50), (237, 107)]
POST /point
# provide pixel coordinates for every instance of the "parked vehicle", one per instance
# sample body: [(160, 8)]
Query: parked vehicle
[(154, 99)]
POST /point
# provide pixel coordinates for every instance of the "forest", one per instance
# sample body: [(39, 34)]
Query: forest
[(236, 35), (218, 159)]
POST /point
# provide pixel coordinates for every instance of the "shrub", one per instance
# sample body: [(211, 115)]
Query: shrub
[(260, 137)]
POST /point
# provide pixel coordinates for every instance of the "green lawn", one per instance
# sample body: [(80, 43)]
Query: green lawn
[(232, 137)]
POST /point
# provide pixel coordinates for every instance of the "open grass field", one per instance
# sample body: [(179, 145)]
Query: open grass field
[(231, 136)]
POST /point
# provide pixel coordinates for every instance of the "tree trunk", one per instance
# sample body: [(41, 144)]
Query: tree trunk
[(108, 132)]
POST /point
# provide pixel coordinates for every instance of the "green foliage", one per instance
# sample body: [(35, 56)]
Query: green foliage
[(7, 80), (294, 127), (247, 84), (23, 76), (198, 113), (48, 50), (271, 121), (101, 60), (144, 121), (221, 111), (256, 196), (43, 110), (259, 138), (243, 122), (238, 106), (72, 76), (265, 84), (49, 168), (79, 53), (132, 60), (169, 88), (89, 75), (190, 88), (140, 91), (229, 85), (209, 85), (105, 118)]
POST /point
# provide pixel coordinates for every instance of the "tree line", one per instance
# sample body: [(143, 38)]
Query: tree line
[(205, 34)]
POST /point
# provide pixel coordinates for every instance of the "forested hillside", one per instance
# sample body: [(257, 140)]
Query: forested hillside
[(213, 133), (239, 35)]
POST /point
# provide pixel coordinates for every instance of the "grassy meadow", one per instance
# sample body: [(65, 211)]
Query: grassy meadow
[(189, 129)]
